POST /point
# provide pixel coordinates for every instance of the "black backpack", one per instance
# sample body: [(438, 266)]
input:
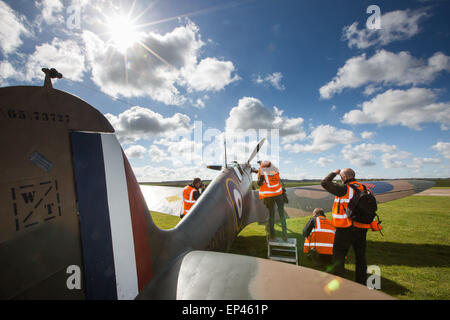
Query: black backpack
[(362, 206)]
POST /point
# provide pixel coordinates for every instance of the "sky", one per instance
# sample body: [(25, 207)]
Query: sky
[(329, 84)]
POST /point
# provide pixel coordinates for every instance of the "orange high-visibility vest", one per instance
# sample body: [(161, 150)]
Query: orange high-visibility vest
[(321, 237), (340, 218), (188, 199), (271, 186)]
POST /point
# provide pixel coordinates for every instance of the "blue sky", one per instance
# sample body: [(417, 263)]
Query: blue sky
[(329, 91)]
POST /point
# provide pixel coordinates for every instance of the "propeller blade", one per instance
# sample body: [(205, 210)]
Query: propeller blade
[(258, 147)]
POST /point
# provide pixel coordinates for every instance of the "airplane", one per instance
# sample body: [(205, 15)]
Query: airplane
[(74, 223)]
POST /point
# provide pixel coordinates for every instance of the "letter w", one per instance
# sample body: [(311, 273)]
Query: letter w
[(28, 197)]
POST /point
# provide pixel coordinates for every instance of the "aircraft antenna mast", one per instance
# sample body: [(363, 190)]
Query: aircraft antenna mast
[(225, 148), (50, 74)]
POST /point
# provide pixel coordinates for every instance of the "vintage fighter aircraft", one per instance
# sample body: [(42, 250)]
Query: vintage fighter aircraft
[(70, 206)]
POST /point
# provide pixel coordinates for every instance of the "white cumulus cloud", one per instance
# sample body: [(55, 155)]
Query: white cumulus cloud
[(324, 137), (7, 71), (66, 56), (12, 29), (393, 160), (251, 113), (273, 79), (156, 154), (409, 108), (210, 74), (135, 151), (159, 68), (395, 25), (443, 148), (164, 173), (418, 162), (142, 123), (324, 161), (385, 68), (363, 154), (367, 134), (50, 11)]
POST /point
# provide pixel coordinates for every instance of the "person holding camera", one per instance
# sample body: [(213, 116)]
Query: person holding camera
[(319, 234), (271, 192), (348, 233), (190, 195)]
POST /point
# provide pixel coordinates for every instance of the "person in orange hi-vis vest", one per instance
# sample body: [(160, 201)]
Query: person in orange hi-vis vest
[(321, 237), (348, 233), (271, 192), (190, 195)]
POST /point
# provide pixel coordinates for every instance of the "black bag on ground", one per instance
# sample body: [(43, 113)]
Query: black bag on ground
[(363, 206)]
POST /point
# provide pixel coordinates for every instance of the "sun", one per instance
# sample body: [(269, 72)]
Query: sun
[(124, 34), (123, 30)]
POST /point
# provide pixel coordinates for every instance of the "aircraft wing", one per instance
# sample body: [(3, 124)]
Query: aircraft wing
[(208, 275), (163, 199), (303, 200)]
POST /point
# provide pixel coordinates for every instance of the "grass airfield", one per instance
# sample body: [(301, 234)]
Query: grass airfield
[(413, 255)]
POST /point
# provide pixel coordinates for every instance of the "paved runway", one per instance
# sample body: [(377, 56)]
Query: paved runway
[(435, 192), (163, 199)]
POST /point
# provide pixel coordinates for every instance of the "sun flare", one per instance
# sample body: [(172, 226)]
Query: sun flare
[(124, 33)]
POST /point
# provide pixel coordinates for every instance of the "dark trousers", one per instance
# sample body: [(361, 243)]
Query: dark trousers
[(320, 259), (343, 239), (325, 259), (270, 204)]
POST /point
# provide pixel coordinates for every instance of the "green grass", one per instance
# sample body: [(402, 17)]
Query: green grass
[(413, 255), (164, 221), (442, 183)]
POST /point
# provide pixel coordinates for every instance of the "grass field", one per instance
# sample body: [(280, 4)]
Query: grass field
[(442, 183), (413, 255)]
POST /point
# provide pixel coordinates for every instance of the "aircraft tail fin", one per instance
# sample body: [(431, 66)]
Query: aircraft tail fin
[(69, 201), (111, 205)]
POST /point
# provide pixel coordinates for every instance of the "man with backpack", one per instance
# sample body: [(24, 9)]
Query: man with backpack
[(350, 232)]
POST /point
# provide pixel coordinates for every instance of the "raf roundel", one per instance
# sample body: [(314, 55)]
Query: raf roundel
[(236, 200)]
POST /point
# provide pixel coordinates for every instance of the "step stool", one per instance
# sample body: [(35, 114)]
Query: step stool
[(281, 246)]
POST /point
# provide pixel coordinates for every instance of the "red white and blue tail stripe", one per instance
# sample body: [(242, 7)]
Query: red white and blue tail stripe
[(115, 240)]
